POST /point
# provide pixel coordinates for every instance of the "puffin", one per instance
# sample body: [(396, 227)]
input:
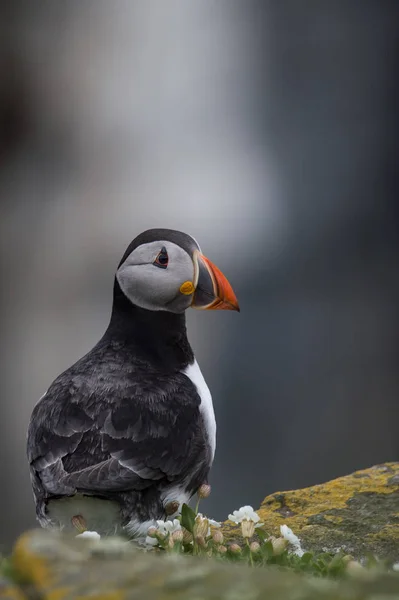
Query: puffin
[(127, 434)]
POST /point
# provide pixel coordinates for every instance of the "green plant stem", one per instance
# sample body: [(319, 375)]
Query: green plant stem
[(250, 553)]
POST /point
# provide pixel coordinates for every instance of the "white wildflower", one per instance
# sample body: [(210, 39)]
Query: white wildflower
[(166, 527), (395, 567), (292, 539), (152, 532), (248, 519), (355, 569), (187, 536), (246, 513), (279, 545), (161, 530), (214, 523), (201, 526), (200, 541), (218, 537), (235, 548), (247, 528), (209, 523), (150, 541), (91, 535), (178, 536)]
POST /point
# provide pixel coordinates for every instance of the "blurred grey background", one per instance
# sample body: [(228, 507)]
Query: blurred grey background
[(266, 129)]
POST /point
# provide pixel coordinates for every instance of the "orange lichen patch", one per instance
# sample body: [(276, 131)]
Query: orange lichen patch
[(30, 566), (319, 504), (61, 593), (48, 573), (388, 530), (33, 568), (358, 512), (10, 592), (116, 595), (333, 519)]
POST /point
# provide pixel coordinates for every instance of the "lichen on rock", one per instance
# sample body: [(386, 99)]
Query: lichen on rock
[(358, 514), (56, 566)]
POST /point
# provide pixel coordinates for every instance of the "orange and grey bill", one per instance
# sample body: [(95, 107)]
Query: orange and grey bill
[(212, 289)]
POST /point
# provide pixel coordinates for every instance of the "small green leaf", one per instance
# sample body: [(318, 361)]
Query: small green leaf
[(336, 560), (187, 518), (306, 558), (261, 533), (371, 560), (267, 550)]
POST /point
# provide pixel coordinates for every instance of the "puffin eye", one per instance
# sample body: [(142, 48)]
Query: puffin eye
[(162, 259)]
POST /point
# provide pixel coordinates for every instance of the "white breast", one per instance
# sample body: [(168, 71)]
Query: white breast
[(193, 372)]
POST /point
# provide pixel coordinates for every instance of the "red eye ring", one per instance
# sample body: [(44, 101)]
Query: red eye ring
[(162, 259)]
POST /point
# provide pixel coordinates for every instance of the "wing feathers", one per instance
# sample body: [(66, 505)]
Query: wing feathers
[(81, 443)]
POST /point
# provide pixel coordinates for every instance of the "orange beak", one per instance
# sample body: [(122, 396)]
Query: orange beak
[(212, 290)]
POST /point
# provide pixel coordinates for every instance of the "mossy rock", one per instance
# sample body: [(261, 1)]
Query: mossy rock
[(9, 591), (55, 566), (358, 514)]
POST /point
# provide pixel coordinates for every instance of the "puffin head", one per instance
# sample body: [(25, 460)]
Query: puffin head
[(165, 270)]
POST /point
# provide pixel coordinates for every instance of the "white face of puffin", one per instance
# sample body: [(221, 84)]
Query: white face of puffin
[(152, 277), (161, 275)]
